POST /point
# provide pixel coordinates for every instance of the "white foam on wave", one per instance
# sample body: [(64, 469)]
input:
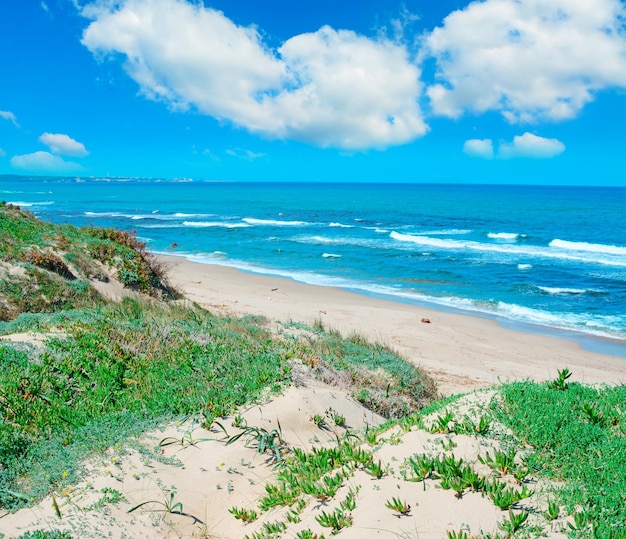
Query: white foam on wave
[(330, 255), (608, 259), (323, 240), (590, 324), (555, 291), (30, 204), (192, 215), (427, 240), (108, 214), (273, 222), (209, 224), (524, 266), (588, 247), (447, 232), (507, 236), (340, 225)]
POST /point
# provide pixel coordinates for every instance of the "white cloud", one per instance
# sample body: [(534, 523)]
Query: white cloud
[(43, 162), (529, 145), (349, 91), (5, 114), (242, 153), (329, 88), (2, 153), (479, 148), (63, 145), (530, 59)]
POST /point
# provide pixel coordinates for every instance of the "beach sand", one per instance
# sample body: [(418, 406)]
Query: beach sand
[(209, 478), (461, 352)]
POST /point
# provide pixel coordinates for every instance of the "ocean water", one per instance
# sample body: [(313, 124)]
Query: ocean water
[(547, 259)]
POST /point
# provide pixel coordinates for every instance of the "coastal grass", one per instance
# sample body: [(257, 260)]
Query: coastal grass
[(47, 267), (115, 372), (376, 376), (578, 436)]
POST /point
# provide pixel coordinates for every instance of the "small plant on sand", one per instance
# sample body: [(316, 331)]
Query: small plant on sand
[(337, 520), (560, 381), (461, 534), (502, 462), (273, 528), (338, 419), (185, 440), (395, 504), (371, 437), (349, 502), (442, 423), (319, 421), (277, 496), (169, 504), (109, 495), (375, 469), (308, 534), (505, 497), (264, 441), (455, 483), (467, 426), (514, 523), (245, 515), (269, 530), (44, 534), (553, 511), (580, 522), (293, 515), (423, 467), (410, 421)]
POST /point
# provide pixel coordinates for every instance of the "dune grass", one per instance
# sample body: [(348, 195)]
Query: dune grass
[(116, 371), (578, 434)]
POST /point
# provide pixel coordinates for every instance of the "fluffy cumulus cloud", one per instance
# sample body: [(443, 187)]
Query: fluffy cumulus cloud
[(43, 162), (531, 60), (63, 145), (479, 148), (329, 88), (6, 115), (529, 145)]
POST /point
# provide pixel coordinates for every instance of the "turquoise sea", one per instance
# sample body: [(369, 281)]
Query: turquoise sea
[(543, 259)]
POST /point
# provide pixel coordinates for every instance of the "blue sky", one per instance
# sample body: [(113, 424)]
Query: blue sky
[(495, 91)]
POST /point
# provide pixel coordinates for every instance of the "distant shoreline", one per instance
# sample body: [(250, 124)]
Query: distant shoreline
[(461, 350)]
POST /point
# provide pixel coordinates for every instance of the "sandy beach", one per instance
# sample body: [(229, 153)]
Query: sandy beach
[(461, 352), (213, 480)]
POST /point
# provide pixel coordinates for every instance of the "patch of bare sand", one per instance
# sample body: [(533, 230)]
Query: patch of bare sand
[(209, 477)]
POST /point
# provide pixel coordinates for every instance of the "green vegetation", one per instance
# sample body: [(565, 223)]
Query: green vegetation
[(579, 436), (105, 372), (52, 264), (116, 371), (380, 379)]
